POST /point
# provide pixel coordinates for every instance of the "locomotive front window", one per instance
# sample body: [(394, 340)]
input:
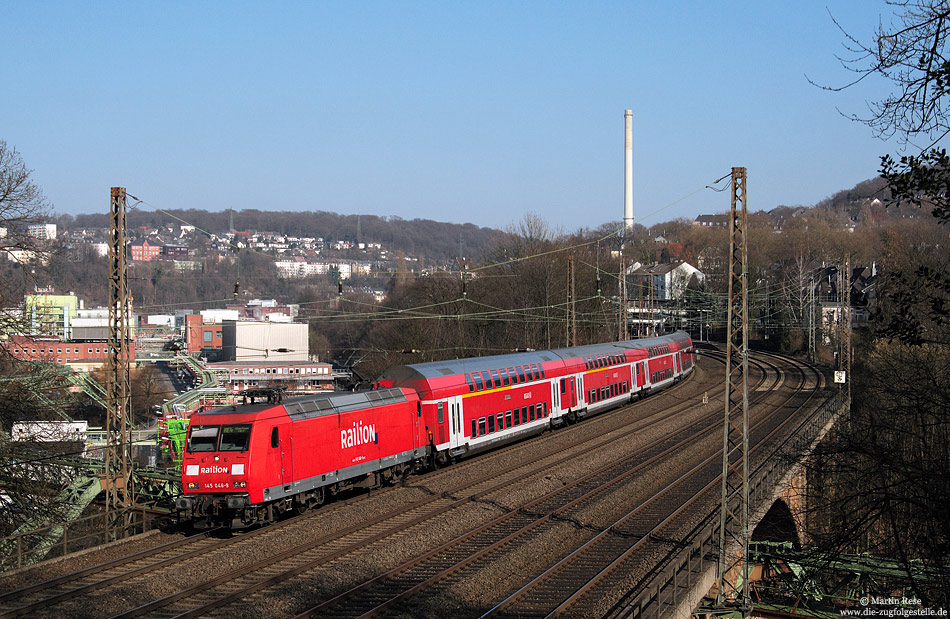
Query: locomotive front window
[(235, 437), (203, 438)]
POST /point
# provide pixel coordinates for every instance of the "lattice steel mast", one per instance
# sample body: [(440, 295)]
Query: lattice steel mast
[(734, 509), (118, 455)]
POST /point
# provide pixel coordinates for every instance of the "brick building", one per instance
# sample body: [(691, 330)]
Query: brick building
[(81, 355), (143, 251)]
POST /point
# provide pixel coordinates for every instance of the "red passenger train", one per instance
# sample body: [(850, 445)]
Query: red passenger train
[(248, 463)]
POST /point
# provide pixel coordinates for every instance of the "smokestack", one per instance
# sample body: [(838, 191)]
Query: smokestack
[(628, 170)]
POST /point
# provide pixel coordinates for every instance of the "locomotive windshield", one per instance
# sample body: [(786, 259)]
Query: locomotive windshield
[(203, 438), (235, 437)]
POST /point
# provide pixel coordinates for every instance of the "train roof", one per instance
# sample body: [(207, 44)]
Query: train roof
[(612, 347), (441, 369), (452, 367), (328, 403)]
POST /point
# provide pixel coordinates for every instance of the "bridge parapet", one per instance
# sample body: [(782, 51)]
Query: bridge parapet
[(691, 571)]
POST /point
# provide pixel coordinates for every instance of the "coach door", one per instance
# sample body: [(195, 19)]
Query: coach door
[(456, 429), (568, 393)]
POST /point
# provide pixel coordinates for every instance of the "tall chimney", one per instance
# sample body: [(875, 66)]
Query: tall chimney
[(628, 170)]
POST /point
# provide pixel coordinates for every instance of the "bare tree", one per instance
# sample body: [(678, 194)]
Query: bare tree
[(21, 203), (909, 53)]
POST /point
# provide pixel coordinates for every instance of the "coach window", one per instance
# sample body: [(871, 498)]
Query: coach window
[(478, 382), (496, 378), (487, 378), (274, 437), (531, 412), (541, 370), (504, 377), (471, 385), (474, 429), (491, 424), (481, 426), (520, 371), (508, 421), (524, 414), (501, 421), (441, 412)]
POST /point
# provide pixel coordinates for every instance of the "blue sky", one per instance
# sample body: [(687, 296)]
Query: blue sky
[(455, 111)]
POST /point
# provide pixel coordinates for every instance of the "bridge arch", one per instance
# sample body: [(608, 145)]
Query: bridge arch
[(777, 525)]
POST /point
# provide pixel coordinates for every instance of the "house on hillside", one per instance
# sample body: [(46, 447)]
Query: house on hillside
[(663, 282), (712, 221), (654, 292), (828, 292)]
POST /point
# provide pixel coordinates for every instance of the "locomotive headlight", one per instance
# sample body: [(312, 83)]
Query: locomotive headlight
[(240, 484), (191, 485)]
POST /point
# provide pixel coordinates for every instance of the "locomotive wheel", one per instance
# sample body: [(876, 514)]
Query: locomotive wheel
[(318, 497), (571, 418), (300, 506)]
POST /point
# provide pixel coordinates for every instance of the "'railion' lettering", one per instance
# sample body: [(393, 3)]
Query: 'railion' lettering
[(359, 434), (213, 469)]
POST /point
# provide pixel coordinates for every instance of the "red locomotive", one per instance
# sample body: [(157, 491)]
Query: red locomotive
[(248, 463)]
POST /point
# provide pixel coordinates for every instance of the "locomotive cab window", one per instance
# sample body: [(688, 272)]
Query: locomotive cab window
[(274, 438), (203, 438), (235, 437)]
